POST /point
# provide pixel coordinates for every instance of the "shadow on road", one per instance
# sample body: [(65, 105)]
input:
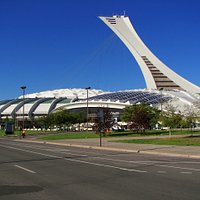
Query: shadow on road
[(21, 189)]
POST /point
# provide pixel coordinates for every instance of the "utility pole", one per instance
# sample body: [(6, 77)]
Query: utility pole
[(161, 89), (23, 89), (87, 88)]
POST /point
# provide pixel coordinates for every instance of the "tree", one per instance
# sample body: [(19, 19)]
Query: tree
[(78, 117), (104, 120), (190, 116), (45, 122), (171, 117), (141, 116), (60, 119)]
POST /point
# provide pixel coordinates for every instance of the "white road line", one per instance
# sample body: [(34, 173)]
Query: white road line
[(104, 165), (183, 168), (53, 149), (162, 172), (110, 159), (167, 162), (102, 158), (76, 160), (186, 172), (25, 169), (34, 152), (102, 154), (184, 162), (74, 154), (144, 162)]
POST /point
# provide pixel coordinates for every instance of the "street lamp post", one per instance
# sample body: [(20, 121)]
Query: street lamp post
[(161, 89), (87, 88), (23, 89)]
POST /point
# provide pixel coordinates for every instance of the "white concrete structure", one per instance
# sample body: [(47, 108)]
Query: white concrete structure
[(43, 103), (180, 100), (95, 104), (156, 74), (37, 106), (70, 93), (177, 91)]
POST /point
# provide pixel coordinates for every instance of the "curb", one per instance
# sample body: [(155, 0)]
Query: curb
[(113, 149)]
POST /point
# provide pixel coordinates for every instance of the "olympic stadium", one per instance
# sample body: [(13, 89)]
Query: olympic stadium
[(163, 86)]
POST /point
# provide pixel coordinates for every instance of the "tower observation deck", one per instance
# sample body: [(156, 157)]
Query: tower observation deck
[(156, 74)]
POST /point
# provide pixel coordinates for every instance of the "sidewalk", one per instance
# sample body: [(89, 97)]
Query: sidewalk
[(94, 143)]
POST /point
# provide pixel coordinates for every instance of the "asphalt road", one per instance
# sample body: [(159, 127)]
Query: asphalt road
[(49, 172)]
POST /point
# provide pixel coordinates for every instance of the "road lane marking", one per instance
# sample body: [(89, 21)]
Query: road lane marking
[(110, 159), (76, 160), (167, 162), (186, 172), (34, 152), (104, 165), (144, 162), (25, 169), (182, 168), (74, 154), (162, 172), (71, 150)]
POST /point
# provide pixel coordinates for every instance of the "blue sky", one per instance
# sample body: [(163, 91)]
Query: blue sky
[(56, 44)]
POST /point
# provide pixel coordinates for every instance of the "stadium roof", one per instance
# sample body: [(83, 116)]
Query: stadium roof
[(34, 107)]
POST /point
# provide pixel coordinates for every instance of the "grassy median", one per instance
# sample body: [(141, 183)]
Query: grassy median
[(183, 141), (83, 135), (55, 135)]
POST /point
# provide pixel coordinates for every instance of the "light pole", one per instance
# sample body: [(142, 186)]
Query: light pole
[(87, 88), (23, 89), (161, 89)]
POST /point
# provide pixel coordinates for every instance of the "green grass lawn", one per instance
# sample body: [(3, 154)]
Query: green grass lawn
[(30, 132), (82, 135), (2, 133), (70, 136), (185, 141), (153, 132), (54, 135)]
